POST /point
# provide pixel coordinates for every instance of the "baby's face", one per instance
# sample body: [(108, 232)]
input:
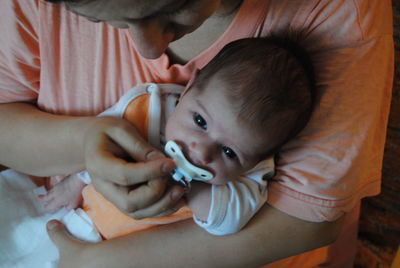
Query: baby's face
[(205, 126)]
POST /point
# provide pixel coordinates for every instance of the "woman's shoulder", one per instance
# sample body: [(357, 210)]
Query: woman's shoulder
[(327, 23)]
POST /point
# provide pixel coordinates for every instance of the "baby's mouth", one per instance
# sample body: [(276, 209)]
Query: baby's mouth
[(185, 171)]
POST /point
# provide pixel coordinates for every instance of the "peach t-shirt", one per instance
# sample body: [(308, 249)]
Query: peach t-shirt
[(68, 65)]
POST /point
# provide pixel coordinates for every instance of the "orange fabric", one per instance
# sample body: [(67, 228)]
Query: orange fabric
[(137, 113), (111, 222)]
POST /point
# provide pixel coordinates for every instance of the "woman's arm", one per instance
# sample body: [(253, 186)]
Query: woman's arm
[(39, 143), (271, 235), (43, 144)]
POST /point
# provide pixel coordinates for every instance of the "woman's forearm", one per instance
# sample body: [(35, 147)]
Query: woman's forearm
[(270, 236), (39, 143)]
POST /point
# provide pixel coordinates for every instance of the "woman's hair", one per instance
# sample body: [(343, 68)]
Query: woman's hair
[(61, 1), (270, 83), (69, 1)]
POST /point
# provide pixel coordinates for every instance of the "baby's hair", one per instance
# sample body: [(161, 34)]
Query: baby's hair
[(269, 81)]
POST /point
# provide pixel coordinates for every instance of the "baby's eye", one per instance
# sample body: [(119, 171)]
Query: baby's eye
[(199, 120), (229, 152)]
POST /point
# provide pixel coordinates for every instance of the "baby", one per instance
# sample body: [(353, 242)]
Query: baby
[(253, 97)]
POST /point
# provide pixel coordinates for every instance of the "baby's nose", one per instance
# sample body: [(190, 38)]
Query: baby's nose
[(200, 153)]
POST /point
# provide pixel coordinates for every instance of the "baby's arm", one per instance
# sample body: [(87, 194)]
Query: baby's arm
[(67, 193), (225, 209), (199, 200), (230, 206)]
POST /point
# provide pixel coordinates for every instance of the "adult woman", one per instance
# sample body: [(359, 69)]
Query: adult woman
[(71, 67)]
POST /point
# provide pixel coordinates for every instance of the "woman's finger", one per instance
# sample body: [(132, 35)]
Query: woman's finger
[(114, 193), (123, 198), (146, 194), (129, 199), (60, 235), (140, 172), (172, 210), (117, 170), (143, 176), (133, 143), (69, 248), (165, 205)]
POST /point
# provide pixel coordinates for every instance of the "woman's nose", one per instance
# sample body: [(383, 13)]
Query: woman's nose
[(151, 37), (200, 153)]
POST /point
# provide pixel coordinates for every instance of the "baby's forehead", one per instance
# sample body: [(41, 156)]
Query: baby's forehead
[(257, 142)]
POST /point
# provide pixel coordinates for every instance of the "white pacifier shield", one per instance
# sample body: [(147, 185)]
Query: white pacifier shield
[(183, 167)]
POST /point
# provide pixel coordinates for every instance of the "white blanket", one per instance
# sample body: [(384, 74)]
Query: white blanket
[(23, 237)]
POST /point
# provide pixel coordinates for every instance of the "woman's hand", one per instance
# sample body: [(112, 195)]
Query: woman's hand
[(127, 170), (43, 144), (70, 249)]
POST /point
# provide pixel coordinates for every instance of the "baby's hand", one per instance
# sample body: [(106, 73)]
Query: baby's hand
[(67, 193)]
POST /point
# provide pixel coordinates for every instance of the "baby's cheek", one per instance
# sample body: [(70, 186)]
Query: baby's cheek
[(231, 173), (222, 178)]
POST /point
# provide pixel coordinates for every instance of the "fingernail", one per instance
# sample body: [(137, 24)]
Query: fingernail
[(154, 155), (167, 167), (51, 225)]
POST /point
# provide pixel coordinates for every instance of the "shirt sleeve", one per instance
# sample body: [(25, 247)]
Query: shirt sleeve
[(235, 203), (19, 51), (337, 159)]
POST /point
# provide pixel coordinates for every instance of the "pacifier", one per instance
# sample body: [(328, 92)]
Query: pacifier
[(185, 171)]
